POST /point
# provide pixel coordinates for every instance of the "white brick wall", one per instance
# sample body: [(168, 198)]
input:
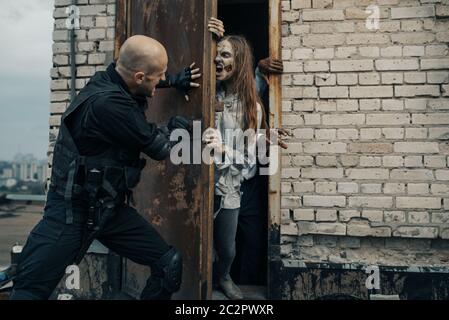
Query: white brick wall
[(374, 133), (94, 50)]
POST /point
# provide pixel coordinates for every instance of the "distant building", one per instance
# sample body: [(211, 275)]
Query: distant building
[(7, 173), (28, 168), (42, 172), (11, 182), (8, 182)]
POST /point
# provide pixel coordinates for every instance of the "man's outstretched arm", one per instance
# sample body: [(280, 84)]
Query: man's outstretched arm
[(124, 124), (183, 81)]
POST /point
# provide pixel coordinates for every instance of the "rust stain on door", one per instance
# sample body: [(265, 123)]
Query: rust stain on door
[(176, 199)]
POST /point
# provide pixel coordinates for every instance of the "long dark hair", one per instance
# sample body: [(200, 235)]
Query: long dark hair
[(244, 81)]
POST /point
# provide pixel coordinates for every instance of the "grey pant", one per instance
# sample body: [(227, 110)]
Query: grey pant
[(225, 230)]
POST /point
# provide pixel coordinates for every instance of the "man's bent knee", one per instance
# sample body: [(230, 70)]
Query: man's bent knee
[(163, 284)]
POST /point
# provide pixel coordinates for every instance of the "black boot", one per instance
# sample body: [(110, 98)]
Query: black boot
[(154, 290)]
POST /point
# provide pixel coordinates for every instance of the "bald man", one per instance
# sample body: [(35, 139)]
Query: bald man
[(143, 53), (96, 163)]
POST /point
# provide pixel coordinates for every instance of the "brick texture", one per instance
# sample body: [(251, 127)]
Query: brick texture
[(368, 109), (94, 51), (375, 154)]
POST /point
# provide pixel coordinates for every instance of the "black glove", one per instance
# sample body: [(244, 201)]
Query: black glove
[(178, 122), (160, 147), (182, 80)]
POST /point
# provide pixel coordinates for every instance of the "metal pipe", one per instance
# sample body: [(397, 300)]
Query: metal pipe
[(72, 59)]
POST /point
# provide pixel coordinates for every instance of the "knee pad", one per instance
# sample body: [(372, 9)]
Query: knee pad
[(171, 264), (162, 286)]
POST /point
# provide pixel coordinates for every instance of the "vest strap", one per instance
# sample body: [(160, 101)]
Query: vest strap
[(70, 186), (68, 193), (109, 188)]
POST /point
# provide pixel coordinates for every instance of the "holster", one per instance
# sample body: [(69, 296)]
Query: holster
[(104, 211), (106, 190)]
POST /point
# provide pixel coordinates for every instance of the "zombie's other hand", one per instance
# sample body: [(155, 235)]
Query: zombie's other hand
[(216, 27), (278, 136), (269, 66), (183, 80), (213, 140)]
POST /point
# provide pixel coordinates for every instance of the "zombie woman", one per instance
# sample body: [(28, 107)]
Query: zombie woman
[(233, 141)]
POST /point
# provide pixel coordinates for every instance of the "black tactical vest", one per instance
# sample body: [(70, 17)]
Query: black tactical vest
[(120, 167)]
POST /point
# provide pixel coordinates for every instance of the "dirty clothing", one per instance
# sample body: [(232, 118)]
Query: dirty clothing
[(225, 228), (229, 175), (261, 84), (238, 160), (104, 129), (250, 265)]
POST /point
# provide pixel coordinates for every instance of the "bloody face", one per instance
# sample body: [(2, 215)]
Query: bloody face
[(224, 61)]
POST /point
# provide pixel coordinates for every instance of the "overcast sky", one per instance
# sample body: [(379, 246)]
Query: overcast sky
[(25, 60)]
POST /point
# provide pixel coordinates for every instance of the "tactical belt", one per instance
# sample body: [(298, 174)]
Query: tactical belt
[(76, 186)]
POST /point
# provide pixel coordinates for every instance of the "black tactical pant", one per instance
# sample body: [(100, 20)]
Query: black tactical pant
[(53, 245), (250, 264)]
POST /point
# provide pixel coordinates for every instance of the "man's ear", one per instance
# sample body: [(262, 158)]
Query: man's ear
[(139, 77)]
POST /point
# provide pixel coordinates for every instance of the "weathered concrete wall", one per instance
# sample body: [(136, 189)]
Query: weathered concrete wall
[(334, 283), (100, 278), (366, 177)]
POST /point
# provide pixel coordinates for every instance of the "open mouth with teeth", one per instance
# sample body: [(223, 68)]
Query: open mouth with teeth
[(219, 69)]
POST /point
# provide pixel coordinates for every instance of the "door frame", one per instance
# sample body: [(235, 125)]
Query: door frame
[(274, 181), (123, 31), (207, 228)]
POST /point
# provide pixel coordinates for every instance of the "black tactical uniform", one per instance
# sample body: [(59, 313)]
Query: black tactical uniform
[(95, 164)]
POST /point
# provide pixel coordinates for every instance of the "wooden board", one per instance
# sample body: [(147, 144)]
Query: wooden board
[(176, 199)]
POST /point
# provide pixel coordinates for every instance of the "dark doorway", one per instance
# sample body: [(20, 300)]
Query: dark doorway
[(250, 19)]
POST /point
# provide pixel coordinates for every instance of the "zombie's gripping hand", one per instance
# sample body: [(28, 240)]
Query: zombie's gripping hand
[(270, 66), (278, 136), (178, 122), (183, 80), (216, 27)]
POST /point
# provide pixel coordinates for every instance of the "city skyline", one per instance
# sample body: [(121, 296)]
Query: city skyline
[(14, 157), (24, 167)]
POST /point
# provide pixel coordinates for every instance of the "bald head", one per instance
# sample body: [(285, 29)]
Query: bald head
[(142, 53), (142, 63)]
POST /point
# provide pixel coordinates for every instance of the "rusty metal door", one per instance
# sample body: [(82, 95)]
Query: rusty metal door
[(176, 199)]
